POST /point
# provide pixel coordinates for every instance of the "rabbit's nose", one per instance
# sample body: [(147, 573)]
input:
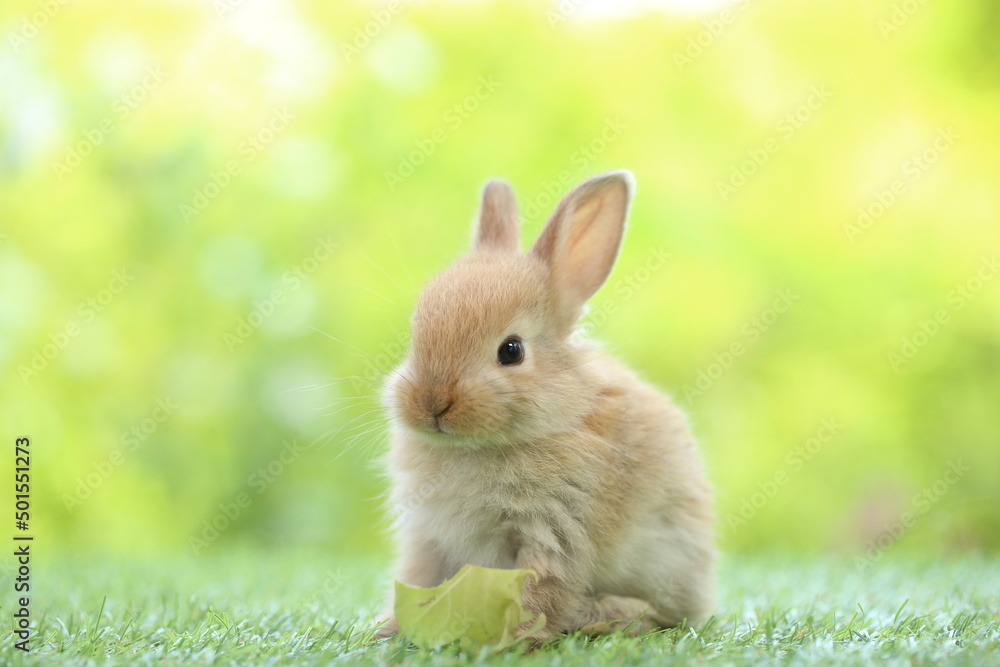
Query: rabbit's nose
[(445, 409), (438, 400)]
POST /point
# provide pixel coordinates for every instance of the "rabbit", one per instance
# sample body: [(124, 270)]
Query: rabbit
[(518, 444)]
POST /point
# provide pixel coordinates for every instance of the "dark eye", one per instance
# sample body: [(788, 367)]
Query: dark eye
[(511, 351)]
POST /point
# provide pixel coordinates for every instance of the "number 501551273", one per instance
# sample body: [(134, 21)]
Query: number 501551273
[(22, 483)]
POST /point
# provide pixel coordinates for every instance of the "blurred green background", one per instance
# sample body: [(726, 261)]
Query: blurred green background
[(215, 217)]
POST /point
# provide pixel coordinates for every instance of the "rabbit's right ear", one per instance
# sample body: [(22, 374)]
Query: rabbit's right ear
[(496, 224)]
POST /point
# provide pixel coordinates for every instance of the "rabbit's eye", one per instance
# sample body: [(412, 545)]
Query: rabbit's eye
[(511, 351)]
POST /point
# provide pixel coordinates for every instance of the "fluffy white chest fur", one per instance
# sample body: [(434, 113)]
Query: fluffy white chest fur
[(482, 514)]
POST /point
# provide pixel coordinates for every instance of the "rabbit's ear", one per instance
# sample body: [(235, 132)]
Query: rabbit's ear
[(581, 239), (496, 225)]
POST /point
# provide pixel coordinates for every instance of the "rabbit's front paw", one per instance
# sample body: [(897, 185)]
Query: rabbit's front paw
[(387, 629)]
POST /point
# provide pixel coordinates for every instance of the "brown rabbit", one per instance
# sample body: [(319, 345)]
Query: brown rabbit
[(519, 445)]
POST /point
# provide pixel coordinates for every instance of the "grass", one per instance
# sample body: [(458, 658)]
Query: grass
[(292, 609)]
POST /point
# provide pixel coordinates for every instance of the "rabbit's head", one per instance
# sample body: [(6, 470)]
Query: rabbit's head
[(491, 360)]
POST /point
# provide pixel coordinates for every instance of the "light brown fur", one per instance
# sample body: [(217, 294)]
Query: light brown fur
[(566, 463)]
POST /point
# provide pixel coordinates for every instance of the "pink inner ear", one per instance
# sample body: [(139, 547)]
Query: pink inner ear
[(582, 222), (591, 244)]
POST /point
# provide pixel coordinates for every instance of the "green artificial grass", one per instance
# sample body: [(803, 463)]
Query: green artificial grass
[(267, 609)]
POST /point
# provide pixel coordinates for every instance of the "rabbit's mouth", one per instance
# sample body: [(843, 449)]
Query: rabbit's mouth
[(438, 424), (441, 434), (434, 427), (442, 431)]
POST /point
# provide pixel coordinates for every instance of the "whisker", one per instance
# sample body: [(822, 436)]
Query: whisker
[(403, 376), (375, 426), (339, 410), (354, 347), (369, 289), (621, 345), (329, 436), (317, 387), (342, 427), (383, 272), (356, 400), (341, 379), (362, 415)]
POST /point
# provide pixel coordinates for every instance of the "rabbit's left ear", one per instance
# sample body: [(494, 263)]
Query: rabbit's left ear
[(581, 240), (496, 224)]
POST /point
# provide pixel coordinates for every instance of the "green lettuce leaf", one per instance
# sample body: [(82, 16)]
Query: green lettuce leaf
[(479, 606)]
